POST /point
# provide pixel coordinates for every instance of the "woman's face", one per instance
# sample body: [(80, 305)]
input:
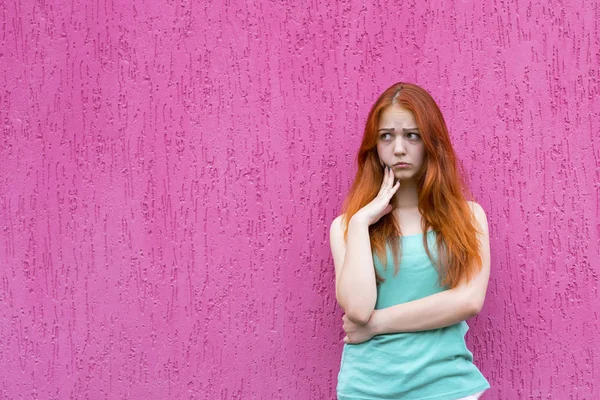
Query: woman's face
[(399, 142)]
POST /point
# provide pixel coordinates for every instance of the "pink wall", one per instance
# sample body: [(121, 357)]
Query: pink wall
[(169, 172)]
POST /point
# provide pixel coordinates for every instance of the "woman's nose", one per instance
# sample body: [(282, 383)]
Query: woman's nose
[(400, 146)]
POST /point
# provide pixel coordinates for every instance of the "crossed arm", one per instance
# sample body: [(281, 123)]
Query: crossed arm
[(362, 321)]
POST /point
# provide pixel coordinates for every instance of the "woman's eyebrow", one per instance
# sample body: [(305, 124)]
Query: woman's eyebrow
[(403, 129)]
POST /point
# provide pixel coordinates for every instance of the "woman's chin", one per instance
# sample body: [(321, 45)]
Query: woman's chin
[(405, 178)]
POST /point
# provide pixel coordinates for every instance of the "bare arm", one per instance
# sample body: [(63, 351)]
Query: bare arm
[(355, 285), (441, 309)]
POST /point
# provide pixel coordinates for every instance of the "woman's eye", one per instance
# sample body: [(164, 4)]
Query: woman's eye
[(412, 135), (385, 136)]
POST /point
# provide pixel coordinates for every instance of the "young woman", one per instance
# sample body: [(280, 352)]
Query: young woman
[(412, 259)]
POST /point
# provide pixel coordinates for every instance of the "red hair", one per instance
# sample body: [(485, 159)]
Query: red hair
[(441, 189)]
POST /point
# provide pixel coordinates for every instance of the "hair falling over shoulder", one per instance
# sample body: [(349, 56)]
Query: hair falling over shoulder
[(441, 189)]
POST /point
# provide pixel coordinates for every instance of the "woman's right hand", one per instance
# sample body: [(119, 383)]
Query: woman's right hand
[(380, 205)]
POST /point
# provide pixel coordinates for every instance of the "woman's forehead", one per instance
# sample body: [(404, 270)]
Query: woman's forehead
[(396, 116)]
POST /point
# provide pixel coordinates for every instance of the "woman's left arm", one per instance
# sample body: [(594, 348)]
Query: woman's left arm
[(435, 311)]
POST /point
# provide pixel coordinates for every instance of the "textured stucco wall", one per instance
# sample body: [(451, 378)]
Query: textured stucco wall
[(169, 170)]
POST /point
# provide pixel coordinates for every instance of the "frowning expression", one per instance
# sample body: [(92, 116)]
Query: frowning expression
[(399, 142)]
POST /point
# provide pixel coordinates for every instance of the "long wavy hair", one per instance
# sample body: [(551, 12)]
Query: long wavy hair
[(442, 191)]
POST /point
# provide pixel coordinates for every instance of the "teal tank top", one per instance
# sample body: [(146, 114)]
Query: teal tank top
[(426, 365)]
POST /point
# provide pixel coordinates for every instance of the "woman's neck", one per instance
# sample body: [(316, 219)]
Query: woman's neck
[(406, 196)]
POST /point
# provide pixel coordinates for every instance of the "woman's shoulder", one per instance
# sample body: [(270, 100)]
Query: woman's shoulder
[(339, 223), (475, 207), (336, 234), (478, 212)]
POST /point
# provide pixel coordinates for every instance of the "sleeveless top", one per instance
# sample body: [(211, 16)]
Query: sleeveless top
[(426, 365)]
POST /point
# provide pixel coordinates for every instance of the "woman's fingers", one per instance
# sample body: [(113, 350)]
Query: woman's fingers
[(381, 204), (388, 179), (383, 187), (390, 187), (385, 176), (394, 189), (392, 178)]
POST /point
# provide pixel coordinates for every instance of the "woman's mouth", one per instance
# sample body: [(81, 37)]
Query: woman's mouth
[(401, 165)]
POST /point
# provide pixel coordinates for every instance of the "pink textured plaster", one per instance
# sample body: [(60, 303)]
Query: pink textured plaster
[(169, 170)]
